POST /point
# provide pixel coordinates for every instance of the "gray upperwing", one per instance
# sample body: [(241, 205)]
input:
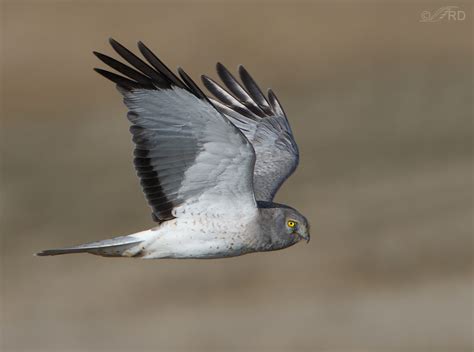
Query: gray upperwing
[(187, 153), (264, 123)]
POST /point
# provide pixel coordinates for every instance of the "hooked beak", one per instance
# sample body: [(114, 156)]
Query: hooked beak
[(304, 235)]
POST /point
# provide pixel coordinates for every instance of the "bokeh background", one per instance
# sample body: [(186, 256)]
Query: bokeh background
[(381, 106)]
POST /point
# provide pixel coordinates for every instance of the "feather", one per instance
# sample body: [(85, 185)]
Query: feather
[(136, 62), (113, 247), (221, 94), (125, 70), (234, 86), (275, 103), (117, 79), (191, 85), (160, 66), (254, 90)]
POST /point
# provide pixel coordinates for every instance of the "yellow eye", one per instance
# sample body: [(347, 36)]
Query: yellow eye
[(291, 223)]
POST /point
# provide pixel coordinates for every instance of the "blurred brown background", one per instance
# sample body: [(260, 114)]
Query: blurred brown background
[(381, 106)]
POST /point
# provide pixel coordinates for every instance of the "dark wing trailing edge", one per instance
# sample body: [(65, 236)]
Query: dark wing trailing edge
[(173, 124), (264, 123)]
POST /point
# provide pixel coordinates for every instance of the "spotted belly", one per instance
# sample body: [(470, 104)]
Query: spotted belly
[(196, 237)]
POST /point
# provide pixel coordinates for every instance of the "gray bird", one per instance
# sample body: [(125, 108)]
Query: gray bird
[(209, 167)]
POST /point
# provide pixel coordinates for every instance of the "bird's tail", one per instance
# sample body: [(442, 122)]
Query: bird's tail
[(123, 246)]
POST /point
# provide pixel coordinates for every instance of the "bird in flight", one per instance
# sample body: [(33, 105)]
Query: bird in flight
[(209, 166)]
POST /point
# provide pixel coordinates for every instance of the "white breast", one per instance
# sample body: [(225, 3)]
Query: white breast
[(199, 236)]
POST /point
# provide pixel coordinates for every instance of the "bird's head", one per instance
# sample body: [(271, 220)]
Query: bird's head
[(296, 226), (289, 225)]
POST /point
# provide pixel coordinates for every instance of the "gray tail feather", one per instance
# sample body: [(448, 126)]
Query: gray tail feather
[(113, 247)]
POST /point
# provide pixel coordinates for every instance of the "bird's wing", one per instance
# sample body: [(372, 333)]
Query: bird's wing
[(187, 154), (264, 123)]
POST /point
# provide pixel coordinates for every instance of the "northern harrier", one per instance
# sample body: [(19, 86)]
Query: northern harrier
[(209, 166)]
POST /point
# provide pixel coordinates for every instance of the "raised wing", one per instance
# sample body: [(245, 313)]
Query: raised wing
[(265, 125), (188, 156)]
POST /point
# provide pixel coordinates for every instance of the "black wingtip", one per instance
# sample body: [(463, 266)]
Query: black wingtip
[(207, 81), (121, 81), (246, 76), (140, 75), (98, 55), (122, 51), (114, 44), (204, 79), (254, 90), (191, 85), (220, 66), (159, 65), (275, 103), (225, 74)]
